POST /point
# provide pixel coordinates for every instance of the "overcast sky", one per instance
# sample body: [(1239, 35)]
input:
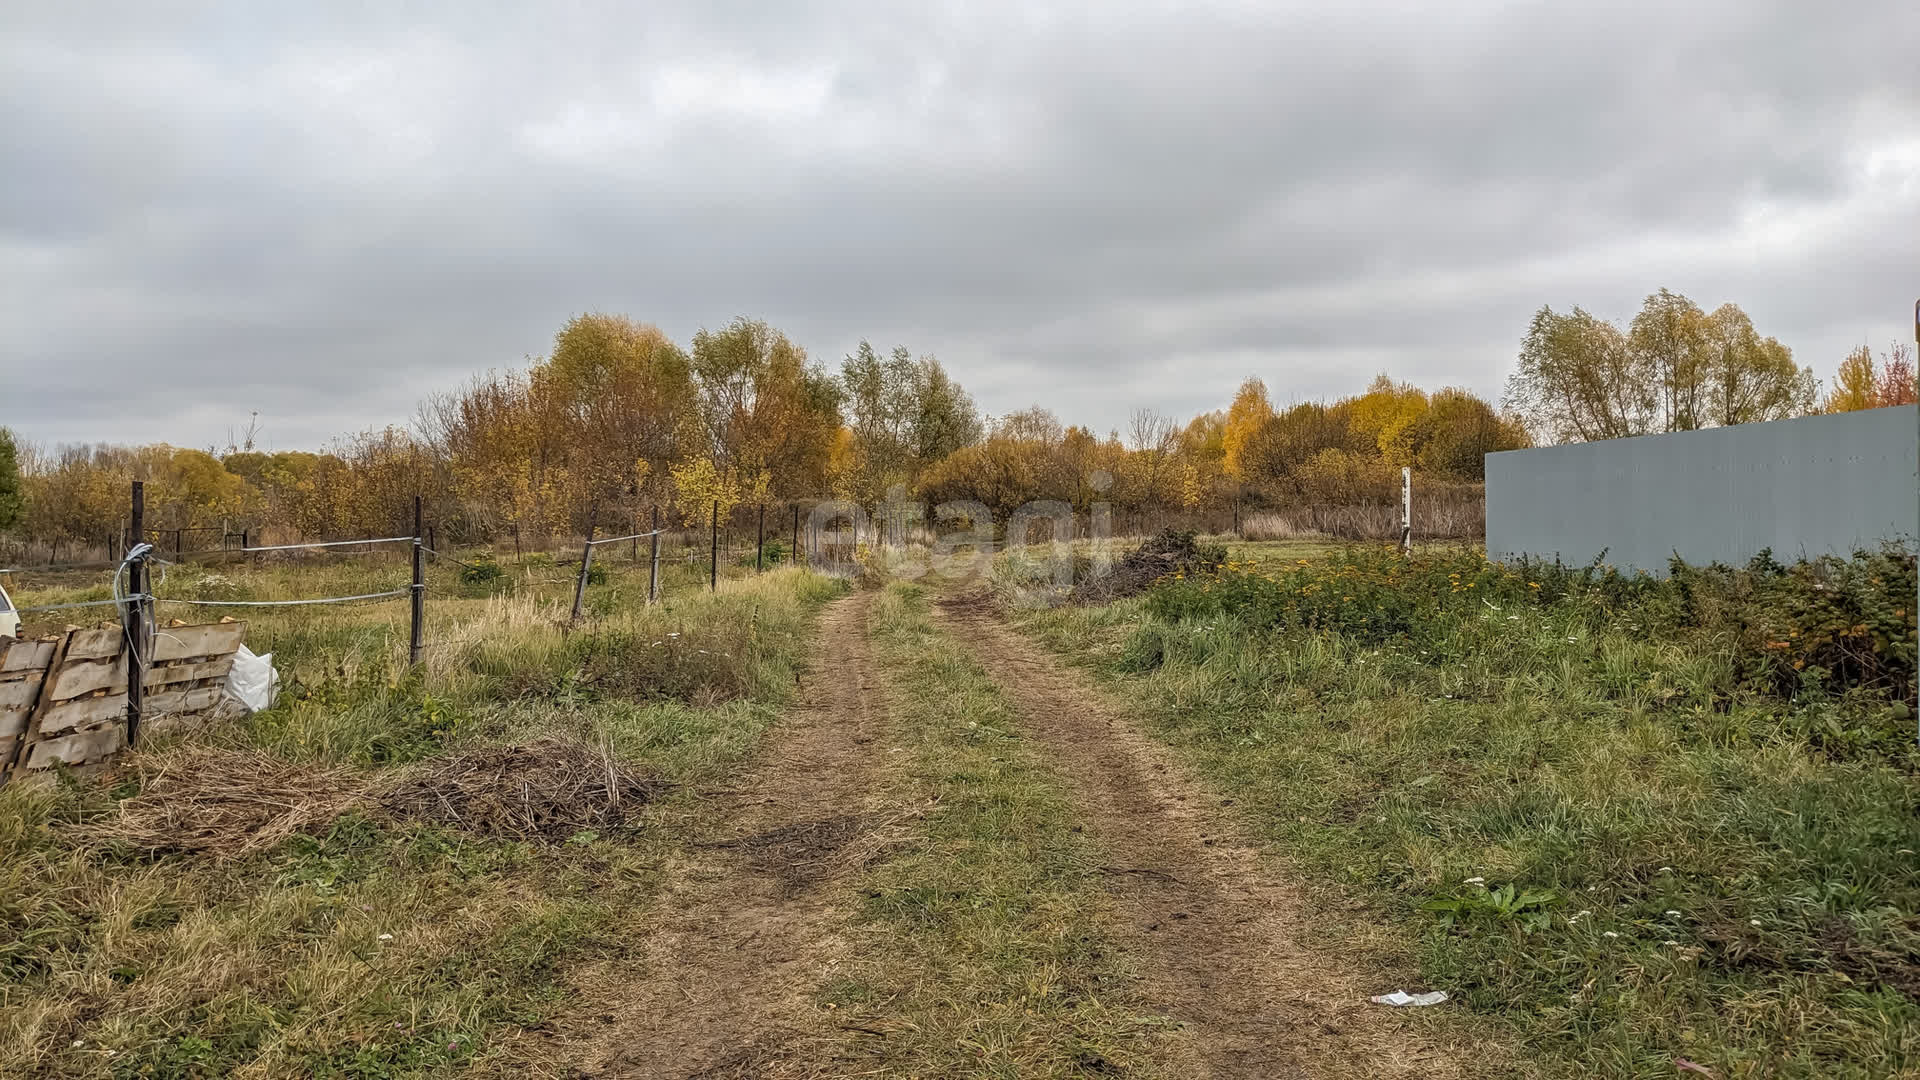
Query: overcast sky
[(207, 211)]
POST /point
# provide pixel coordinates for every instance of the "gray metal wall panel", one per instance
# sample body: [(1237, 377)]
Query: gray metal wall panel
[(1806, 486)]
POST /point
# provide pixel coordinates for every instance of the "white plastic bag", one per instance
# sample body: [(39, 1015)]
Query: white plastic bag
[(253, 682), (1401, 998)]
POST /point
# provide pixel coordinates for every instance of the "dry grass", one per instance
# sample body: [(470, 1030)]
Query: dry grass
[(1455, 512), (228, 804), (224, 803), (548, 790)]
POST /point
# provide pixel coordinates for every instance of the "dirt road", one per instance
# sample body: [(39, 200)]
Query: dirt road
[(1223, 939), (750, 923), (755, 919)]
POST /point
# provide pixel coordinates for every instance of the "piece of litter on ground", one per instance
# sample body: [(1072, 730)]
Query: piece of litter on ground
[(1402, 998)]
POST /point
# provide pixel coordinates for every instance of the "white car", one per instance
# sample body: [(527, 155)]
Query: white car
[(9, 618)]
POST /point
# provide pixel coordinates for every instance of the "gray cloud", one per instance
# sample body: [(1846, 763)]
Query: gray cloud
[(208, 211)]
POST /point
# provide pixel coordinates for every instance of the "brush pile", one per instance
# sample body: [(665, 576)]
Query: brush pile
[(1135, 572), (225, 803), (545, 790)]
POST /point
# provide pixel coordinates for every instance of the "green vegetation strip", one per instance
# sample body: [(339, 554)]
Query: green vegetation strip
[(1644, 824), (372, 945), (981, 946)]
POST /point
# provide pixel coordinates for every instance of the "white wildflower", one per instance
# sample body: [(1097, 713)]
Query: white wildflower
[(1608, 933), (386, 937)]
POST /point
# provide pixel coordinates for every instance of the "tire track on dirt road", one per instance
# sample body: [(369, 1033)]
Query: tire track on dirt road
[(1223, 944), (749, 923)]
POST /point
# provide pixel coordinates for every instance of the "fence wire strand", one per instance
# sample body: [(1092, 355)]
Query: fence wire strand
[(629, 536), (64, 607), (284, 603), (329, 544)]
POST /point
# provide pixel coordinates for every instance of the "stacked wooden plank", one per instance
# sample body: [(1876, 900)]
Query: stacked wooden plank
[(65, 699), (23, 669), (82, 715), (187, 678)]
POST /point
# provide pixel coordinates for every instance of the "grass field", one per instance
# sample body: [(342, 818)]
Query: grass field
[(1636, 828), (376, 944)]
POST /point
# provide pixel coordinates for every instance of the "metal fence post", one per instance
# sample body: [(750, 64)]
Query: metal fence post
[(713, 566), (417, 633), (1406, 510), (760, 545), (136, 619), (653, 574), (794, 555), (586, 562)]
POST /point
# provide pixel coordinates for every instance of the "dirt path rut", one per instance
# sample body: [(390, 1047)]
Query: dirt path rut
[(749, 924), (1223, 942)]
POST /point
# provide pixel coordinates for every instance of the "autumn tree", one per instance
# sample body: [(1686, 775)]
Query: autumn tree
[(1386, 416), (1862, 384), (1677, 368), (1578, 380), (1854, 385), (1896, 386), (762, 409), (1203, 479), (1249, 410), (1669, 344), (1750, 378), (1147, 473), (1458, 430)]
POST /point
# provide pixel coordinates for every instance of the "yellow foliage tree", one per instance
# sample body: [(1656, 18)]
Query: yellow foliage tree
[(1250, 409)]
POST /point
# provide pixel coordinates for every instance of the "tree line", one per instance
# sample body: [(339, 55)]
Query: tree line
[(619, 417)]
